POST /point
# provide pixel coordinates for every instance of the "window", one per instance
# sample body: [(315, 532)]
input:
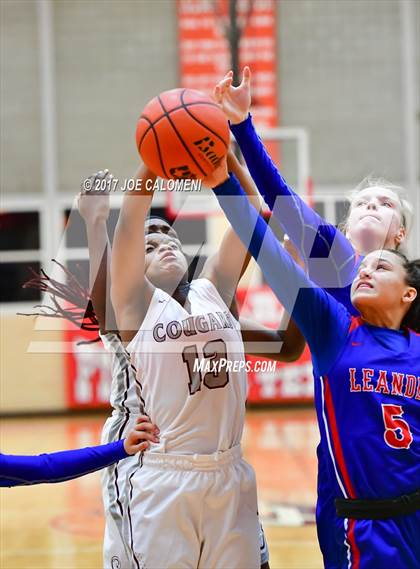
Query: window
[(13, 276), (319, 207), (20, 249), (341, 211), (19, 230)]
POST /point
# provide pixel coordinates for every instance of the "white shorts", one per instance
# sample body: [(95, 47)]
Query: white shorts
[(193, 511)]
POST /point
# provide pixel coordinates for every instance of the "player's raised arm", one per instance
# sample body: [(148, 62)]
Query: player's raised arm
[(130, 290), (329, 256), (94, 208), (227, 266)]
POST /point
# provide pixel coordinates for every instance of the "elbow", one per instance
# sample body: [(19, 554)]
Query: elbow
[(290, 354)]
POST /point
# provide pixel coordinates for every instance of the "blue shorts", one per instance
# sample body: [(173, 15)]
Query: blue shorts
[(368, 544)]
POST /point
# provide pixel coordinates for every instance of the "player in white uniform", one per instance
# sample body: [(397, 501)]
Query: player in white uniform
[(125, 389), (124, 396), (192, 500)]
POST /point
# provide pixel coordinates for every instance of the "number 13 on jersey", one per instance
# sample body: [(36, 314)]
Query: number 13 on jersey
[(213, 352)]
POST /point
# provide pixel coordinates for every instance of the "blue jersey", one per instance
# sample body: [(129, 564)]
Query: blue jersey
[(370, 407), (58, 466), (331, 260), (367, 391)]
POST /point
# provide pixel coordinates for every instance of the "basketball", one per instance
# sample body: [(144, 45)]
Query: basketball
[(182, 133)]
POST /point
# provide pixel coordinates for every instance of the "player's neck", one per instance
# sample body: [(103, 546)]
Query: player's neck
[(382, 318), (181, 294), (365, 246)]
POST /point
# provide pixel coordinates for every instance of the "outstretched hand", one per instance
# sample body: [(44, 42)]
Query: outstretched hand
[(93, 199), (139, 438), (234, 101)]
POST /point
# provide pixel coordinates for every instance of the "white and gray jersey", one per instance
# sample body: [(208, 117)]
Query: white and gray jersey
[(197, 411)]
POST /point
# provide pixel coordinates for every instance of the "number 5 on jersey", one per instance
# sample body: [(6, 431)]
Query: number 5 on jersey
[(397, 431)]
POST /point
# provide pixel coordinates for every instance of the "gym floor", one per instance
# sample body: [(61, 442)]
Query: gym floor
[(60, 526)]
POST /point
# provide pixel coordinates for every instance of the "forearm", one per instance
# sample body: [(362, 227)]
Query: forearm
[(315, 239), (99, 265), (127, 266), (293, 339), (227, 266), (246, 181), (128, 248), (98, 244), (259, 340), (285, 344), (59, 466), (233, 258)]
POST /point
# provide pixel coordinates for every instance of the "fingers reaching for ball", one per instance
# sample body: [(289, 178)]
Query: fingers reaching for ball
[(234, 101), (93, 199)]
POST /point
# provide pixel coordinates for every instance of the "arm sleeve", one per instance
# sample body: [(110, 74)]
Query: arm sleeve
[(323, 321), (58, 466), (327, 253)]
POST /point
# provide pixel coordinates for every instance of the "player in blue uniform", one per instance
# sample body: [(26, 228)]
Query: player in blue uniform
[(65, 465), (379, 217), (367, 373)]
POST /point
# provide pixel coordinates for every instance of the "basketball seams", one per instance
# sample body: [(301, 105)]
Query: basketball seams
[(180, 137), (151, 128), (185, 107), (145, 132)]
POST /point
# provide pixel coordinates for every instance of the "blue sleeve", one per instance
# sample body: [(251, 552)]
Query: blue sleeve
[(323, 321), (58, 466), (327, 253)]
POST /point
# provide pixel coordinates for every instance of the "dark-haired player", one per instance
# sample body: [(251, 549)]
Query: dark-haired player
[(379, 216), (367, 374), (196, 473), (95, 211)]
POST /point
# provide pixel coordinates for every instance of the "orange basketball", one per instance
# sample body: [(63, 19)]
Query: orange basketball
[(182, 133)]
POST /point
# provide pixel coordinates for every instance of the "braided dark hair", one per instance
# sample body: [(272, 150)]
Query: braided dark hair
[(77, 306), (412, 271)]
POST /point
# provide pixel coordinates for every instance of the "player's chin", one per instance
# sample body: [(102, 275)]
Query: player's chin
[(368, 233), (364, 296), (170, 273), (175, 268)]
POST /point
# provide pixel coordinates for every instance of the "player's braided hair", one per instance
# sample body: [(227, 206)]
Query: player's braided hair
[(70, 300), (412, 270)]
